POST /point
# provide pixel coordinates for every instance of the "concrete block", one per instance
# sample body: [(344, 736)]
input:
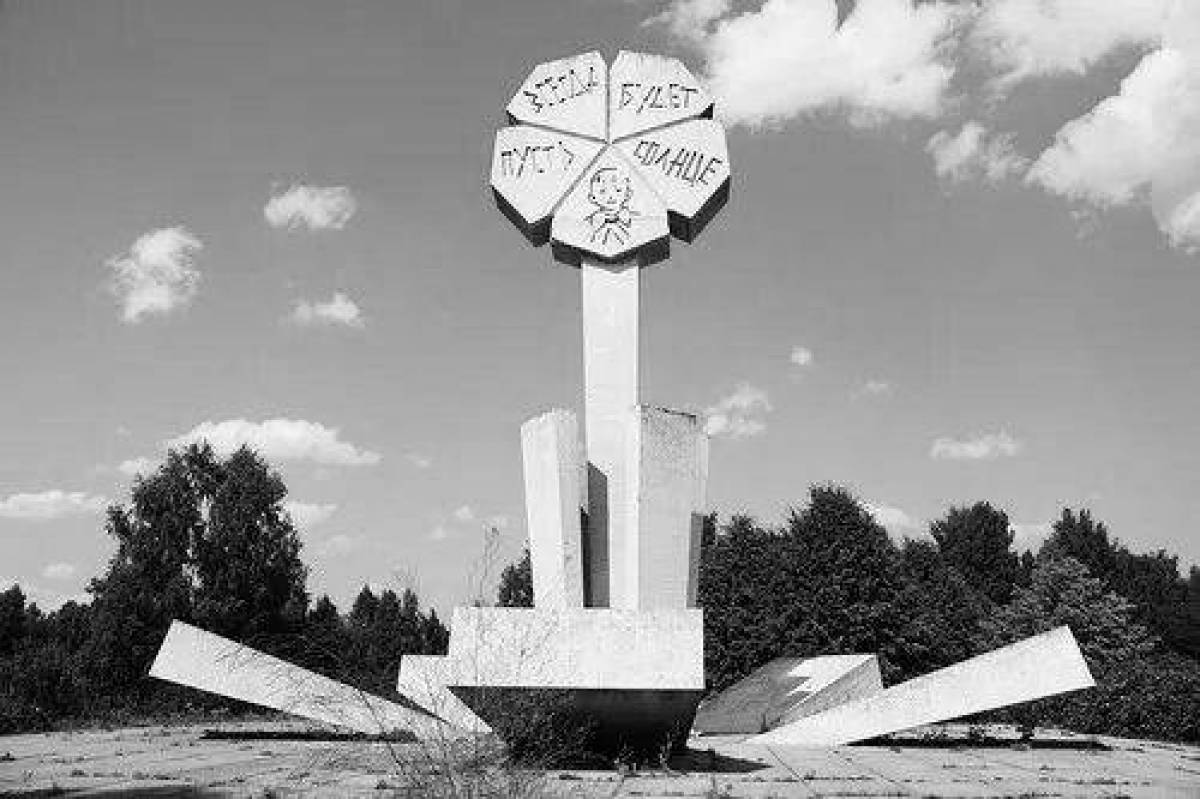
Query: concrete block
[(587, 648), (611, 214), (688, 165), (649, 91), (656, 566), (787, 689), (198, 659), (532, 169), (554, 498), (1036, 667), (423, 678), (567, 95)]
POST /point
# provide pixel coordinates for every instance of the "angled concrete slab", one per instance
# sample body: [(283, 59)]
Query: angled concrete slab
[(199, 659), (1036, 667), (787, 689), (423, 678), (649, 91)]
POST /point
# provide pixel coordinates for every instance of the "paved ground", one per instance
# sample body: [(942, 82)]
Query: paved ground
[(176, 761)]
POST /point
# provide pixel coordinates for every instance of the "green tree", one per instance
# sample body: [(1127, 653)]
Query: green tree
[(977, 542), (12, 619), (516, 584), (204, 540)]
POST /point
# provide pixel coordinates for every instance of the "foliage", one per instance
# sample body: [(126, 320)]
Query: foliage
[(204, 540), (977, 541), (516, 584)]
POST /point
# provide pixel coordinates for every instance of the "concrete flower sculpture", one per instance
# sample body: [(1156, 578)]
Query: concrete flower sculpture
[(609, 162)]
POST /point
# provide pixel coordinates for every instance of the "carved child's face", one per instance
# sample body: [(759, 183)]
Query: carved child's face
[(609, 188)]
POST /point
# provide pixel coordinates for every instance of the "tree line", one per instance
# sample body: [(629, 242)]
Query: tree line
[(205, 540), (830, 580)]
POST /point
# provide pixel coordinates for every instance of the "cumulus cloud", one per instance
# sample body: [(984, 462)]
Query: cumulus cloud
[(440, 532), (135, 466), (887, 59), (801, 356), (1031, 536), (418, 460), (988, 446), (307, 515), (279, 439), (58, 571), (690, 19), (157, 275), (739, 414), (872, 388), (463, 513), (1030, 38), (897, 522), (53, 504), (338, 310), (1139, 146), (973, 154), (312, 207)]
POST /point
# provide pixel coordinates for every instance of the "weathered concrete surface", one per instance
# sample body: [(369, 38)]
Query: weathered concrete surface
[(787, 689), (198, 659), (587, 648), (611, 214), (1043, 665), (658, 565), (610, 378), (532, 169), (423, 679), (568, 95), (170, 761), (648, 91), (555, 496), (688, 165)]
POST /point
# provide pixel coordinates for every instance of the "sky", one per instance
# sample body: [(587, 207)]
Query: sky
[(960, 262)]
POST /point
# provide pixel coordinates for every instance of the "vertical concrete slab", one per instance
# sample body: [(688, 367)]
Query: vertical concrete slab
[(554, 496), (1041, 666), (668, 451), (199, 659), (610, 372)]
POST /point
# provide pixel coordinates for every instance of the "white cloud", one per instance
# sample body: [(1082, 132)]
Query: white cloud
[(52, 504), (439, 533), (279, 439), (1031, 536), (418, 460), (690, 19), (309, 514), (1030, 38), (463, 513), (897, 522), (312, 207), (338, 310), (801, 356), (973, 153), (157, 275), (791, 57), (59, 571), (988, 446), (1141, 145), (136, 466), (738, 415), (873, 388)]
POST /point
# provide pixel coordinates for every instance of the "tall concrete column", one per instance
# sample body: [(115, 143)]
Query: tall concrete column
[(610, 373), (554, 495)]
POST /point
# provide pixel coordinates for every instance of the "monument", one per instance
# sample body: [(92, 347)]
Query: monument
[(607, 163)]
